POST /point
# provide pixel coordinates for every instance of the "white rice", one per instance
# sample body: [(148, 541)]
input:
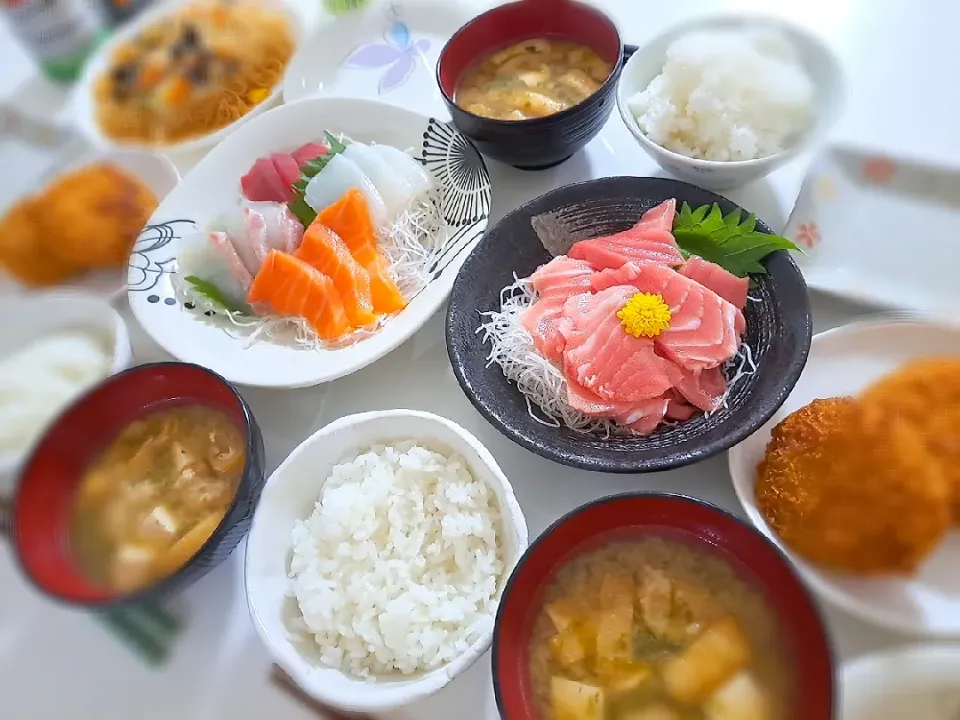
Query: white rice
[(398, 568), (727, 95)]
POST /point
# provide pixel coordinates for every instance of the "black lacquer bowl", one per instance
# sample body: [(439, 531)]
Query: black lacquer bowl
[(536, 143), (779, 330)]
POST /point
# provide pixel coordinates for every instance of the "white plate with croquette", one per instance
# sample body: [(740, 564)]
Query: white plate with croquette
[(882, 540)]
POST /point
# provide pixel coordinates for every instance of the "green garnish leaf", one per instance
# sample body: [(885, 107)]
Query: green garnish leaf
[(212, 293), (298, 206), (730, 241)]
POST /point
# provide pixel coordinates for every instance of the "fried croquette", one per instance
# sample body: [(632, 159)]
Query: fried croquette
[(852, 490), (21, 250), (85, 220), (926, 394)]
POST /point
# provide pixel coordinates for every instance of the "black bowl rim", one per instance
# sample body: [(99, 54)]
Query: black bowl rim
[(170, 582), (781, 268), (610, 83), (808, 598)]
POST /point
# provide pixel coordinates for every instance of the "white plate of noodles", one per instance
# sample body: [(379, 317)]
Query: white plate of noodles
[(184, 75), (205, 290)]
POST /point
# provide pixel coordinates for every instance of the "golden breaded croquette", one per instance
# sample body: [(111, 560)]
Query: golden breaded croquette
[(853, 490), (926, 394), (21, 252), (91, 217)]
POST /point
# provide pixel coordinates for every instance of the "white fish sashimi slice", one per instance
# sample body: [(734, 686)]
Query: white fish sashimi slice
[(212, 257), (337, 177), (416, 178), (394, 190), (255, 228)]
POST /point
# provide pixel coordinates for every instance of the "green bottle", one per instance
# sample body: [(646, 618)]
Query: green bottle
[(60, 34)]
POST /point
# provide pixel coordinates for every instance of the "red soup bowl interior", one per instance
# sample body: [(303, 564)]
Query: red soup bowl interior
[(678, 518), (43, 506), (508, 24)]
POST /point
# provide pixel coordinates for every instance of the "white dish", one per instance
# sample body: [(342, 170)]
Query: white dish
[(214, 185), (155, 171), (647, 62), (865, 219), (290, 494), (302, 14), (387, 51), (920, 682), (26, 318), (843, 362)]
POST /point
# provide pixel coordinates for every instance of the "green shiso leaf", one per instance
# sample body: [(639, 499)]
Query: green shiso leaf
[(212, 293), (298, 206)]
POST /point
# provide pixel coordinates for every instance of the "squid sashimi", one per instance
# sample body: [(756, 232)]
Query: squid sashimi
[(408, 170), (323, 249), (291, 288), (394, 191), (256, 228), (210, 256), (271, 178), (348, 218), (338, 176)]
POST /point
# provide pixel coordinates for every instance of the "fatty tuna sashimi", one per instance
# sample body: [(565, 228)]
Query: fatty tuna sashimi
[(650, 240), (544, 320), (264, 184), (337, 177), (348, 218), (562, 276), (713, 277), (287, 168), (642, 417), (704, 389), (308, 152), (394, 191), (211, 256), (704, 329), (601, 356), (256, 228), (324, 250), (679, 410), (289, 287), (417, 180)]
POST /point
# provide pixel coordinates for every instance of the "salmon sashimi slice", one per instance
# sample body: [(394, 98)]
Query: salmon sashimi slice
[(290, 287), (704, 389), (350, 219), (704, 328), (602, 357), (562, 276), (324, 250), (642, 417), (650, 240), (713, 277)]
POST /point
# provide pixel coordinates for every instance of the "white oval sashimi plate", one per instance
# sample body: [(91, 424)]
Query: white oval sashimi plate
[(844, 361), (921, 682), (303, 16), (387, 51), (459, 175)]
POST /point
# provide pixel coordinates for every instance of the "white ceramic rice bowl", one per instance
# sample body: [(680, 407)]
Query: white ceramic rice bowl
[(303, 17), (821, 65), (290, 494), (27, 318)]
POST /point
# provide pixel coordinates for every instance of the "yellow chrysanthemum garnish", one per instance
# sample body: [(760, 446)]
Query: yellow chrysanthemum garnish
[(645, 315)]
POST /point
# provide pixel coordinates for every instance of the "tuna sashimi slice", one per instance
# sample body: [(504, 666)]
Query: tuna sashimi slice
[(287, 168), (643, 417), (704, 328), (308, 152), (544, 320), (602, 357), (650, 240), (562, 276), (264, 184), (713, 277), (703, 389)]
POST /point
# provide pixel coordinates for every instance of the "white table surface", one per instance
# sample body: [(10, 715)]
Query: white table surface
[(55, 663)]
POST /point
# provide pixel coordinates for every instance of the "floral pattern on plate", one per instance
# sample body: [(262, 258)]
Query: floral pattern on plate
[(397, 55)]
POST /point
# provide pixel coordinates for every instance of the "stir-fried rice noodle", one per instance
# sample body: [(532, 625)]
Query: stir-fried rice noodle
[(411, 245), (543, 384)]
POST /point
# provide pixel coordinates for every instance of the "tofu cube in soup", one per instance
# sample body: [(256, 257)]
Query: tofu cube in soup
[(739, 699), (562, 614), (652, 712), (718, 654), (615, 621), (568, 647), (573, 700)]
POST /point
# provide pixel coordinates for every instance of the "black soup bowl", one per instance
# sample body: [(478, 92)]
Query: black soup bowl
[(537, 143), (778, 331), (42, 507)]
